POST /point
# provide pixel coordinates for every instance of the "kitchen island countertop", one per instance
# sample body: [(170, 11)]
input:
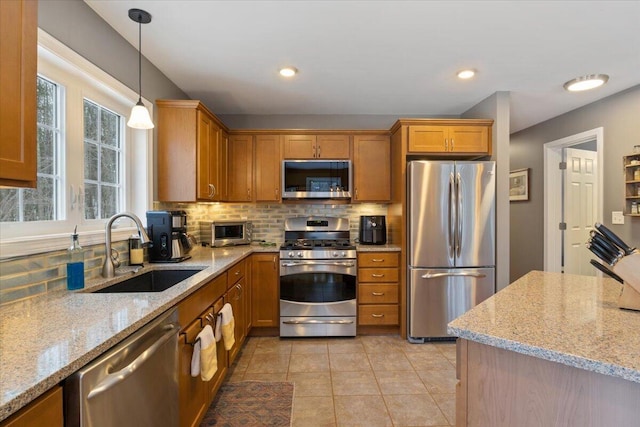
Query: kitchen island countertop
[(563, 318)]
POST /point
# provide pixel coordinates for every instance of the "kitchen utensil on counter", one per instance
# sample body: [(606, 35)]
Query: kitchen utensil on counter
[(606, 271), (614, 239), (373, 230), (166, 229)]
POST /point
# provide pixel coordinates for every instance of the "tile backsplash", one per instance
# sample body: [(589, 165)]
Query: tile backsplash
[(28, 276)]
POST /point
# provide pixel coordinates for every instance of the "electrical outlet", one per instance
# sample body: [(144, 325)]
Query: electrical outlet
[(617, 217)]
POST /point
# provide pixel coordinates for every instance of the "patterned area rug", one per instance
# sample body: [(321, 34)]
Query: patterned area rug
[(251, 403)]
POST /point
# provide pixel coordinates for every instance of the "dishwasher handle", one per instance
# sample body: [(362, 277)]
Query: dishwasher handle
[(119, 376)]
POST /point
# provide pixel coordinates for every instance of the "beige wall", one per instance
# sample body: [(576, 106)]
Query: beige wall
[(619, 115)]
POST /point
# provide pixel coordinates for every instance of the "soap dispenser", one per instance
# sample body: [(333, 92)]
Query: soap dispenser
[(75, 264)]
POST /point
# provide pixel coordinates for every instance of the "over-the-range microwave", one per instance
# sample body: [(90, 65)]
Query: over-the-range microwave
[(316, 179)]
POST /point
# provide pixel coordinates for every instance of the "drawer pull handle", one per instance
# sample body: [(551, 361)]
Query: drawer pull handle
[(377, 294), (377, 315), (237, 272), (377, 275), (377, 260)]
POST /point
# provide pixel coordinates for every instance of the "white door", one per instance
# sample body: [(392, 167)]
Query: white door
[(580, 211)]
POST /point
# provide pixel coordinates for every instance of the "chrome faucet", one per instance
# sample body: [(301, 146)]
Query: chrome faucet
[(108, 268)]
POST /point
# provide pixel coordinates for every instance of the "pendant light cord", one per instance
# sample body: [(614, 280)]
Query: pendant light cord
[(140, 57)]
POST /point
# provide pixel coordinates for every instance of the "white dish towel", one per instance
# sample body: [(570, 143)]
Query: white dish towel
[(228, 326)]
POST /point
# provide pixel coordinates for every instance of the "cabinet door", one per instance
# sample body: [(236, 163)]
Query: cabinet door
[(299, 146), (192, 390), (44, 411), (333, 147), (18, 49), (469, 139), (215, 161), (265, 299), (428, 139), (221, 354), (204, 152), (235, 298), (268, 167), (240, 168), (222, 189), (372, 168)]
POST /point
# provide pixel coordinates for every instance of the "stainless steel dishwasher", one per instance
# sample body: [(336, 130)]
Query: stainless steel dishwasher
[(133, 384)]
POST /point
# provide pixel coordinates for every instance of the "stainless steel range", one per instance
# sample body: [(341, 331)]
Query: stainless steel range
[(317, 278)]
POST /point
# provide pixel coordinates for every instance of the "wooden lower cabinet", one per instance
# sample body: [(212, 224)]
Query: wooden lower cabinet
[(502, 388), (44, 411), (378, 289), (265, 296), (236, 297)]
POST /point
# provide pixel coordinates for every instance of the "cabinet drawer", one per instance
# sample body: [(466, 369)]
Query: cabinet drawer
[(378, 259), (379, 275), (236, 273), (193, 305), (377, 294), (381, 314)]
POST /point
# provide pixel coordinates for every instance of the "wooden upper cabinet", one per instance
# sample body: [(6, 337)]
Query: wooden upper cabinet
[(191, 158), (371, 168), (459, 137), (240, 168), (267, 168), (316, 147), (18, 50)]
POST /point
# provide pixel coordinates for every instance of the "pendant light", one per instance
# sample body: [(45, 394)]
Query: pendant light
[(140, 118)]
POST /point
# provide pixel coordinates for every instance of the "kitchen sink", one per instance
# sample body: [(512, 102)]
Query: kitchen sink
[(151, 281)]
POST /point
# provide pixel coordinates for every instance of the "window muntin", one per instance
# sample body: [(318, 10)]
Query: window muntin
[(44, 202)]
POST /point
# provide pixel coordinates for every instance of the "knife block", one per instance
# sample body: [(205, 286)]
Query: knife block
[(628, 268)]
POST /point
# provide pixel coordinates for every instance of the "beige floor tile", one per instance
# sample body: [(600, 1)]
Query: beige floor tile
[(390, 361), (349, 362), (257, 376), (447, 404), (344, 346), (428, 347), (400, 382), (414, 410), (354, 383), (268, 363), (380, 344), (313, 362), (313, 411), (448, 350), (268, 345), (365, 411), (306, 347), (311, 383), (441, 380), (424, 361)]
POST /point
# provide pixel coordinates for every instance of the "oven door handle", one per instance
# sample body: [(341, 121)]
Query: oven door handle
[(317, 322), (333, 263)]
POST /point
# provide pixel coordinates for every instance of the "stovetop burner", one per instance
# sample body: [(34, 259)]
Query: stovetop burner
[(314, 243)]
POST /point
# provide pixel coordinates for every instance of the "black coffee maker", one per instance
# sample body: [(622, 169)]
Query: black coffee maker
[(167, 230), (373, 230)]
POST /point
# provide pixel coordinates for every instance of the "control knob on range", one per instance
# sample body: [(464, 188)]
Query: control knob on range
[(300, 254), (291, 254)]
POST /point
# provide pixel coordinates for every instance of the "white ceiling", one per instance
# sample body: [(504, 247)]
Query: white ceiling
[(386, 57)]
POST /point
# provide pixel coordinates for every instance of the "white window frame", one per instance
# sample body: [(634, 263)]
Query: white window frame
[(81, 79)]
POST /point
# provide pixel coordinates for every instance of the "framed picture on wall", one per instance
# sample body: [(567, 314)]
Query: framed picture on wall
[(519, 185)]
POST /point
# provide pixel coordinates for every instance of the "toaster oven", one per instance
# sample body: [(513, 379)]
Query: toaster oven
[(225, 233)]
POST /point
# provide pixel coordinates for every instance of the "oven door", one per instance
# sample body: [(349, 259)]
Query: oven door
[(317, 297)]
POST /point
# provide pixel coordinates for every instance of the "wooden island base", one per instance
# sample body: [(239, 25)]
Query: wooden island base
[(498, 387)]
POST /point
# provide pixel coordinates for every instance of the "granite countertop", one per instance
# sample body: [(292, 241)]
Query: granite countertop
[(45, 339), (569, 319), (377, 248)]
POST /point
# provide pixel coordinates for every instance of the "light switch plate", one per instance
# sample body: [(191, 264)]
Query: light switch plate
[(617, 217)]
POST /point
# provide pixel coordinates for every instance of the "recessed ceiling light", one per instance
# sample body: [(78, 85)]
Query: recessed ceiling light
[(466, 74), (288, 71), (591, 81)]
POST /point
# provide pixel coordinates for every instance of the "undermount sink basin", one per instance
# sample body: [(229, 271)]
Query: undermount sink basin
[(151, 281)]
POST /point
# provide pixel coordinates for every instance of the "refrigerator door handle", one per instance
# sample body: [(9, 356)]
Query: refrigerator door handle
[(452, 216), (459, 215), (453, 274)]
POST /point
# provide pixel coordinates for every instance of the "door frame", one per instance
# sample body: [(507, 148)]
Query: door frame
[(553, 192)]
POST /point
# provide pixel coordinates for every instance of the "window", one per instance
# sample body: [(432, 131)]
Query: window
[(43, 202), (102, 161), (86, 156)]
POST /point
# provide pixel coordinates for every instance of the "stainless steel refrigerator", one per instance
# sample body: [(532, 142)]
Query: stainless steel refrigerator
[(451, 229)]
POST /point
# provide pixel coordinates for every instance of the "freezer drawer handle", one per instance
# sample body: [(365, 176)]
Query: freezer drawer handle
[(317, 322), (465, 274), (114, 378)]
